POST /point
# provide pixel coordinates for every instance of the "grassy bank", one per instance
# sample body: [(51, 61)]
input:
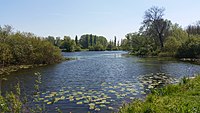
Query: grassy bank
[(179, 98)]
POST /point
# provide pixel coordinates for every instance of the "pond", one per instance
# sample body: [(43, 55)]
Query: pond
[(98, 81)]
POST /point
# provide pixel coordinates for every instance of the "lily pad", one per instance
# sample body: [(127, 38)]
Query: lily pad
[(97, 109), (91, 106), (102, 105), (46, 100), (49, 102), (79, 93), (142, 92), (62, 97), (86, 101), (110, 108), (79, 102), (132, 98)]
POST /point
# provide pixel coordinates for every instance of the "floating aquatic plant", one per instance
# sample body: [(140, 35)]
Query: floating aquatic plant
[(79, 102), (110, 108), (97, 109), (91, 106)]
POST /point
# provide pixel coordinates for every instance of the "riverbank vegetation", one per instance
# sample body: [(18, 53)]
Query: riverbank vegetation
[(176, 98), (15, 102), (160, 37), (20, 48), (86, 42)]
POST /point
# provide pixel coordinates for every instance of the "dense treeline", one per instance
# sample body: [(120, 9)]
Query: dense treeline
[(88, 41), (160, 37), (19, 48), (194, 29), (93, 42)]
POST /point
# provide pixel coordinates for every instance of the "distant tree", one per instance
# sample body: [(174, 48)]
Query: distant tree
[(51, 39), (115, 41), (68, 44), (194, 29), (110, 46), (95, 39), (87, 41), (76, 40), (5, 32), (91, 40), (154, 25), (58, 42), (118, 44)]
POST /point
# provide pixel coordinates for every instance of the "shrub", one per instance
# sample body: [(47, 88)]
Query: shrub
[(190, 49)]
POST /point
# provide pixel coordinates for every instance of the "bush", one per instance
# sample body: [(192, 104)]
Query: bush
[(190, 49), (97, 47), (26, 49), (77, 48)]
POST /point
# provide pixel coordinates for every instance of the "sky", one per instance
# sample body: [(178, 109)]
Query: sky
[(107, 18)]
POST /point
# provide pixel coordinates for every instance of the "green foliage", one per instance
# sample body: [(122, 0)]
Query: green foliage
[(139, 45), (194, 29), (179, 98), (93, 42), (190, 49), (77, 48), (26, 48), (156, 31), (6, 53), (68, 44), (13, 102), (97, 47), (155, 26), (171, 46)]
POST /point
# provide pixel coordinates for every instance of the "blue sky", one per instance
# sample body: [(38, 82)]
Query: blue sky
[(102, 17)]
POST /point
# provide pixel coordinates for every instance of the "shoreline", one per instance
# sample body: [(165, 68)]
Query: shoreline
[(189, 60), (14, 68)]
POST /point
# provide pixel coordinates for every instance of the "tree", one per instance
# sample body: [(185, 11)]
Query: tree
[(76, 40), (87, 41), (190, 49), (118, 44), (95, 39), (91, 40), (115, 41), (68, 44), (194, 29), (6, 53), (58, 42), (51, 39), (154, 25)]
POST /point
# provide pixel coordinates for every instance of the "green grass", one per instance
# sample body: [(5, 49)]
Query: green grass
[(179, 98)]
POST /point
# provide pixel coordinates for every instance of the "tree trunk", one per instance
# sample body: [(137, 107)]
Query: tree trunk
[(161, 41)]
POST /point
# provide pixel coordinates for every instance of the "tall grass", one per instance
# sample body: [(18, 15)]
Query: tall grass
[(179, 98), (12, 102)]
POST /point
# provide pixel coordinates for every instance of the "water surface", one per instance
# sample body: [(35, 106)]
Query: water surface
[(101, 79)]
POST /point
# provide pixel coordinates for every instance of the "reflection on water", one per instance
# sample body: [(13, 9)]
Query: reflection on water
[(98, 81)]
